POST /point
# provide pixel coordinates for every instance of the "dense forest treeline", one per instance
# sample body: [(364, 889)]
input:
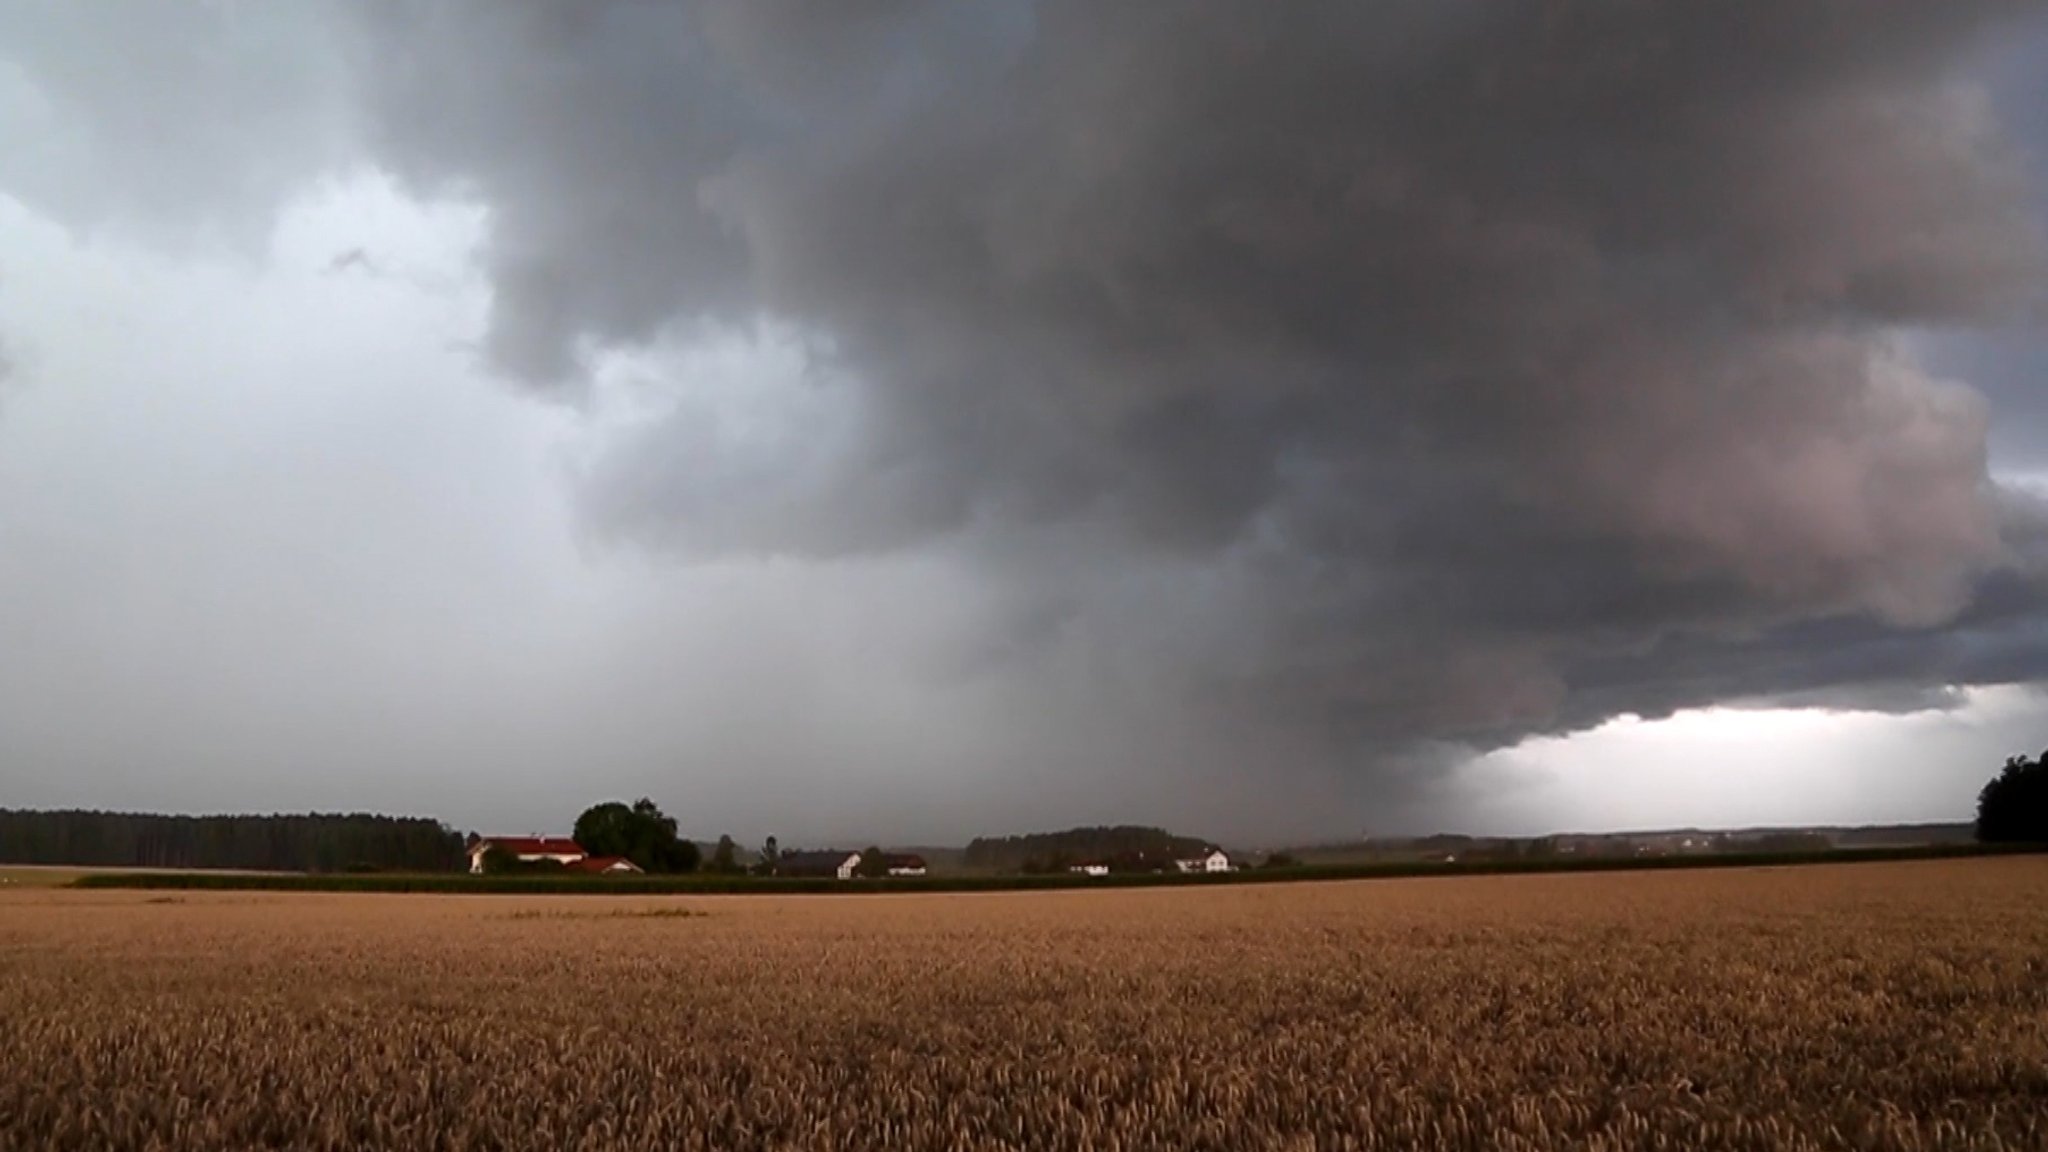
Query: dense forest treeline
[(1057, 850), (316, 842)]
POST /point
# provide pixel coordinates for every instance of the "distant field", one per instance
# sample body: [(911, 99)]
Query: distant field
[(48, 875), (1882, 1006), (453, 883), (37, 876)]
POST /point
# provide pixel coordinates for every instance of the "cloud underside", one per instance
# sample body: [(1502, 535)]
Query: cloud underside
[(1391, 373), (1424, 369)]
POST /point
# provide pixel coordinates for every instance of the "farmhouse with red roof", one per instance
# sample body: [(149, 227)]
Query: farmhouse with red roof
[(529, 850), (605, 866)]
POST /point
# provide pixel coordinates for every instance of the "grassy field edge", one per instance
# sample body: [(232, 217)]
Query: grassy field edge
[(547, 885)]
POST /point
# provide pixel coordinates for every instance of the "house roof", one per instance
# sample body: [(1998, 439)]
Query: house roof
[(604, 864), (533, 845), (902, 860), (796, 863)]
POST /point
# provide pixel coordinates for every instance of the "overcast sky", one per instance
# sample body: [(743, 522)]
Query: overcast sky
[(907, 421)]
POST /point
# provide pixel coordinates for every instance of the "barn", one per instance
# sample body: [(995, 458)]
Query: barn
[(606, 866)]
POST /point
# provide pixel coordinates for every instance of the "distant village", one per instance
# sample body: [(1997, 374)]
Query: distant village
[(1451, 849), (1125, 851), (565, 854), (616, 839)]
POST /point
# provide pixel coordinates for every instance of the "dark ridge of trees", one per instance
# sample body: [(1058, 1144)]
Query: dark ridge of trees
[(1881, 835), (313, 842), (1057, 851), (2013, 807), (1775, 842)]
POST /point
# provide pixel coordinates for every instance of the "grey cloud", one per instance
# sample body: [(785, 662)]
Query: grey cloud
[(173, 120), (1463, 370), (2011, 368), (10, 365), (353, 259), (1842, 661), (2009, 365)]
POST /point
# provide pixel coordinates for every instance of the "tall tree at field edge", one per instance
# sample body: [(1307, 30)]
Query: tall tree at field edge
[(2013, 807), (641, 833)]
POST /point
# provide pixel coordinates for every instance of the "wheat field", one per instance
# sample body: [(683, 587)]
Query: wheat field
[(1883, 1006)]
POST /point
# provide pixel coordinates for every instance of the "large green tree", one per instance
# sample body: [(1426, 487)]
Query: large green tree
[(2013, 807), (640, 832)]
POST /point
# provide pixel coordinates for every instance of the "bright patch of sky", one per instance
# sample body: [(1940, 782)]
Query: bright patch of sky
[(1732, 768)]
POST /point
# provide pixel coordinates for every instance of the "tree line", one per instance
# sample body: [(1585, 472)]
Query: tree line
[(1057, 851), (314, 842)]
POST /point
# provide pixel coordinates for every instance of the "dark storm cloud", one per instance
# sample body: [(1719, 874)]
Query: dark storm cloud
[(1453, 369), (2010, 366)]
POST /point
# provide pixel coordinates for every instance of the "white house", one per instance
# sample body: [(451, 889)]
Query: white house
[(528, 850), (1090, 869), (1212, 861)]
